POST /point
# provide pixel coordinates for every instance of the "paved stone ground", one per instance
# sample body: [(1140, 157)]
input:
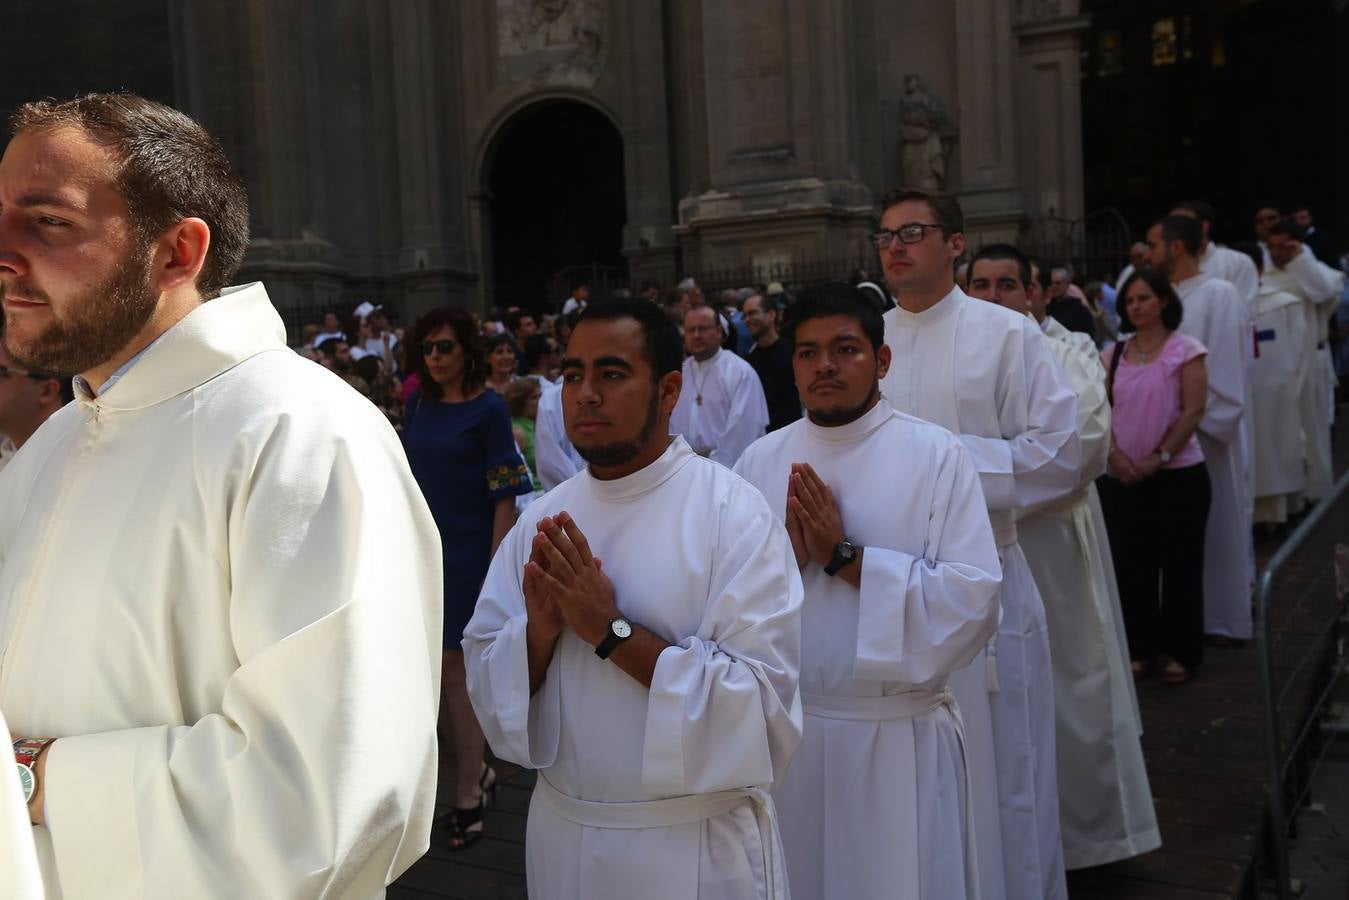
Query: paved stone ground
[(1319, 854)]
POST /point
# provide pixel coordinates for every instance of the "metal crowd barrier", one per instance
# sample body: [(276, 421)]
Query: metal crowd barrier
[(1299, 646)]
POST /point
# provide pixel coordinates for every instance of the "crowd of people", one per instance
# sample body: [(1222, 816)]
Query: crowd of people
[(845, 587)]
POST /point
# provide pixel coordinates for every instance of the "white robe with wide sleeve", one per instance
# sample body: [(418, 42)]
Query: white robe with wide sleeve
[(1278, 382), (20, 875), (696, 556), (874, 806), (220, 590), (1216, 315), (554, 455), (988, 375), (1319, 287), (1234, 267), (1105, 805), (732, 413)]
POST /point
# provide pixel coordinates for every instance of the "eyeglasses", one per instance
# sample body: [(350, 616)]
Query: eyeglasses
[(912, 233), (6, 371), (444, 348)]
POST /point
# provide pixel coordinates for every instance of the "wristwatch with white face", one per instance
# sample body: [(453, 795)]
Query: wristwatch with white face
[(844, 553), (620, 629), (26, 753)]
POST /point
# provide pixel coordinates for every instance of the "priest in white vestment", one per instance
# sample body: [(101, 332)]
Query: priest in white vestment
[(555, 457), (637, 641), (1318, 286), (1217, 316), (1105, 804), (1285, 343), (900, 573), (722, 408), (989, 376), (219, 583)]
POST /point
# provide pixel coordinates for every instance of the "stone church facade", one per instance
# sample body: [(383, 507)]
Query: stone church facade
[(752, 131)]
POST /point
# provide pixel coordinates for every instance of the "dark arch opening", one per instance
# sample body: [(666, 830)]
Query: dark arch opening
[(558, 201)]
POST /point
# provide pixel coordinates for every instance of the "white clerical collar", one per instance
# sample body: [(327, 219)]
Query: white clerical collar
[(855, 430), (939, 310), (646, 479), (7, 449), (707, 362), (1189, 284)]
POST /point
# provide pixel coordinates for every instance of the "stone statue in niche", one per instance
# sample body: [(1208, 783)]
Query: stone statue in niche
[(927, 136), (559, 38)]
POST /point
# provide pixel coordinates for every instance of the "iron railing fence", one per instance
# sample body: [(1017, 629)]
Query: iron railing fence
[(1300, 602)]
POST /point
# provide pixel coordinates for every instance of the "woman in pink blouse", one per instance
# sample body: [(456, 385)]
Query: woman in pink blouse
[(1156, 490)]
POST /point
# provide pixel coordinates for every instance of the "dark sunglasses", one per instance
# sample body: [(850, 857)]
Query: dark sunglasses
[(444, 348)]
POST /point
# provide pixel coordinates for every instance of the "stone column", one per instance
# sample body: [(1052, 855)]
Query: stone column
[(777, 132), (1050, 100), (989, 121)]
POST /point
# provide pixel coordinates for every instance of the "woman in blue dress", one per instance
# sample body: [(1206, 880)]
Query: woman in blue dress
[(462, 452)]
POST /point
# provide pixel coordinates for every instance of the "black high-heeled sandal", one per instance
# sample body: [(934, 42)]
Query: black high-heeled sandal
[(466, 824)]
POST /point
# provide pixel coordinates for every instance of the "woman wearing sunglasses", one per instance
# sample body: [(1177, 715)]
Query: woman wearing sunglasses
[(463, 455)]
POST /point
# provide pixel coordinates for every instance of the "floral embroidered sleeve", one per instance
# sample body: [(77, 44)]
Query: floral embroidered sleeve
[(507, 475)]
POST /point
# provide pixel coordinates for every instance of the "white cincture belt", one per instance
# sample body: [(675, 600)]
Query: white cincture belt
[(1065, 506), (908, 705), (673, 811)]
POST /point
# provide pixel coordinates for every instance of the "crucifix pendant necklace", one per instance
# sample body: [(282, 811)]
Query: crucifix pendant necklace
[(698, 387)]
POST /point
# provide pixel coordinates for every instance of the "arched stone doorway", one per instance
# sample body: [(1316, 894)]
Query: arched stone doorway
[(554, 180)]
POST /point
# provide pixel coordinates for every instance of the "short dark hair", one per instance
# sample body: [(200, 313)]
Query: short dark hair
[(1184, 229), (1286, 226), (171, 169), (329, 347), (1040, 272), (663, 349), (1201, 208), (1172, 311), (1294, 208), (945, 208), (536, 348), (512, 320), (465, 328), (836, 299), (1004, 252)]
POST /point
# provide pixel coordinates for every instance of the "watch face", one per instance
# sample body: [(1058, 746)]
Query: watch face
[(620, 628), (846, 550), (26, 782)]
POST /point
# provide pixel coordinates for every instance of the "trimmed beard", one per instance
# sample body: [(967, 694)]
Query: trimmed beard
[(99, 323), (835, 417), (620, 452)]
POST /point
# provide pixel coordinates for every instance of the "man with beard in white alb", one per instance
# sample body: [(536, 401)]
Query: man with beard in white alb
[(989, 376), (1217, 316), (722, 408), (1105, 805), (900, 572), (637, 641)]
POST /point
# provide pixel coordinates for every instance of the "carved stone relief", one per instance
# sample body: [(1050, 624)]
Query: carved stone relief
[(560, 41)]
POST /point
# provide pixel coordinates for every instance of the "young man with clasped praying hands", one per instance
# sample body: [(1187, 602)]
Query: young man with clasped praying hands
[(656, 693)]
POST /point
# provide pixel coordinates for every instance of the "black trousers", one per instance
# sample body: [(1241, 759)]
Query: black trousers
[(1157, 538)]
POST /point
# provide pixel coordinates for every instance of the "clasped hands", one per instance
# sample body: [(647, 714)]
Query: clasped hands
[(564, 584), (1130, 472), (813, 520)]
